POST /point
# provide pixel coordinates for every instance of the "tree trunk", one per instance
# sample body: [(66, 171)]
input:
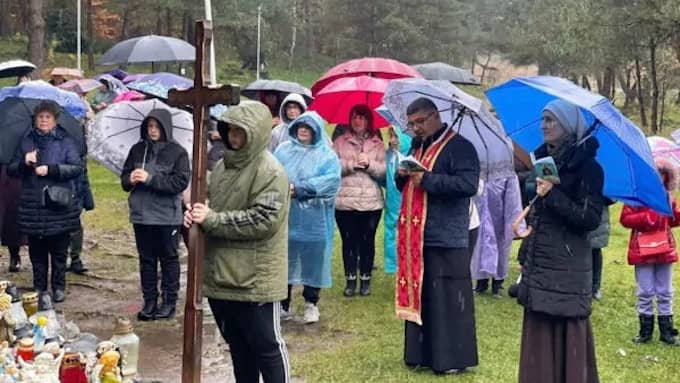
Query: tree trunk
[(474, 62), (607, 86), (187, 32), (168, 21), (293, 38), (159, 20), (628, 90), (664, 87), (640, 95), (36, 40), (655, 85), (90, 35), (124, 30), (5, 19), (585, 83)]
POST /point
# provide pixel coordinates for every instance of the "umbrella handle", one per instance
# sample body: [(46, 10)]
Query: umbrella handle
[(518, 221)]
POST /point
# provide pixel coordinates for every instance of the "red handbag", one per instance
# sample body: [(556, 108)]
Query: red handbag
[(654, 243)]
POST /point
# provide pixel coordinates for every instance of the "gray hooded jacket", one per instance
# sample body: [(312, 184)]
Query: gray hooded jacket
[(158, 201), (280, 132)]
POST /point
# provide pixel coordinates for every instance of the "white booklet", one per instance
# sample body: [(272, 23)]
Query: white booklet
[(410, 163)]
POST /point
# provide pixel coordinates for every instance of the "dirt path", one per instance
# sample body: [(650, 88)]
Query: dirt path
[(111, 288)]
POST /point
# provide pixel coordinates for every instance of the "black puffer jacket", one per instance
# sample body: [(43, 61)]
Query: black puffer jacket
[(556, 257), (159, 200), (59, 152)]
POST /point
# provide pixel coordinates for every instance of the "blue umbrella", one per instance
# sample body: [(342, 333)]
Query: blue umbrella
[(159, 84), (629, 170), (41, 90)]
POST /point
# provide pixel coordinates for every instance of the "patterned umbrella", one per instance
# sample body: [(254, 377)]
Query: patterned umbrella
[(80, 86), (665, 148), (118, 127)]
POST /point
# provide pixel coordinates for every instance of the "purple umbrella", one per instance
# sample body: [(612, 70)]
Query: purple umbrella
[(158, 84), (133, 77), (117, 73)]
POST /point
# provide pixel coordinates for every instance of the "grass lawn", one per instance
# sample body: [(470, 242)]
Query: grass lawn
[(360, 339)]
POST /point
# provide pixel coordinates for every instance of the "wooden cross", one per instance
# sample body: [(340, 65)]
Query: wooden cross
[(200, 97)]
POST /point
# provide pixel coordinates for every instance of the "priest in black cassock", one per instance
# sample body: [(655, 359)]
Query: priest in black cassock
[(433, 291)]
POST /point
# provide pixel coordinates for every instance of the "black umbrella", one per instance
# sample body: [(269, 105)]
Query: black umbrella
[(149, 49), (15, 68), (17, 118), (443, 71), (284, 88)]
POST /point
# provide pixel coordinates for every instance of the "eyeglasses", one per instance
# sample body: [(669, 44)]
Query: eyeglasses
[(419, 121)]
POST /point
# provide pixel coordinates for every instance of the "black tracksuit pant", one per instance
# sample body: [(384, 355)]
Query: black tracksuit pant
[(158, 244), (357, 230), (253, 332)]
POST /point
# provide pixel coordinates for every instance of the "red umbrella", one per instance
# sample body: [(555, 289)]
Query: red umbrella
[(335, 100), (371, 66)]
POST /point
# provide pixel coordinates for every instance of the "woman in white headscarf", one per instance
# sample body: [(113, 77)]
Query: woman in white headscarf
[(556, 286)]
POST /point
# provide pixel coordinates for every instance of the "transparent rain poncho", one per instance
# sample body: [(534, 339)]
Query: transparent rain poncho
[(314, 170)]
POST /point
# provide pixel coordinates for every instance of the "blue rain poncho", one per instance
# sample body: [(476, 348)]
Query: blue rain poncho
[(393, 201), (314, 170)]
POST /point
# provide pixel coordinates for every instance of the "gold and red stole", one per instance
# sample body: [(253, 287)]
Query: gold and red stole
[(410, 237)]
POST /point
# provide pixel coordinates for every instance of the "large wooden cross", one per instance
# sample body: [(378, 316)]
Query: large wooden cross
[(200, 97)]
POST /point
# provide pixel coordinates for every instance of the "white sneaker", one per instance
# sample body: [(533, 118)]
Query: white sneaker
[(287, 314), (311, 313)]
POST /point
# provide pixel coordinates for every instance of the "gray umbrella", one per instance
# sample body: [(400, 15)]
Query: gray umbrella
[(149, 49), (15, 68), (282, 87), (443, 71)]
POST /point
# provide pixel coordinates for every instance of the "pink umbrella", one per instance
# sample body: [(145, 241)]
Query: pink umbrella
[(335, 100), (130, 95), (80, 86), (370, 66), (665, 148)]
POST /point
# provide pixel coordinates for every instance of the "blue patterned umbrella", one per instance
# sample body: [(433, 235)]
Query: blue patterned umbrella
[(159, 84), (41, 90)]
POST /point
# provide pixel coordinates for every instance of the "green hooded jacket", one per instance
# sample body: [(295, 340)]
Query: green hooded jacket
[(246, 257)]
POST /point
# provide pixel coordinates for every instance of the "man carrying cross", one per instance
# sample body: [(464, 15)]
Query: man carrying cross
[(246, 252)]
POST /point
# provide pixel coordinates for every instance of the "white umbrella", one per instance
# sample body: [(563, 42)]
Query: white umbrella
[(118, 127), (460, 111)]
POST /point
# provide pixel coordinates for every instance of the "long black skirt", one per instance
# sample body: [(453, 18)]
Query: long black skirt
[(447, 339), (557, 350)]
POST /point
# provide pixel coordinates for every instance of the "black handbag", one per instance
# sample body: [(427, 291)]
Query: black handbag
[(57, 197)]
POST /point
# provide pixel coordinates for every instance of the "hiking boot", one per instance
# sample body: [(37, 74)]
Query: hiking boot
[(351, 287), (14, 260), (669, 335), (311, 313), (287, 315), (59, 295), (148, 312), (77, 267), (365, 285), (482, 286), (496, 287), (646, 329), (167, 308)]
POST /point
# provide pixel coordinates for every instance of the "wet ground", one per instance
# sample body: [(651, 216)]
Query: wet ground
[(111, 288)]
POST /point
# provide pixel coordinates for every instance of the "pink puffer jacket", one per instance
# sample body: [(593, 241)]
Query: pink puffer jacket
[(360, 189)]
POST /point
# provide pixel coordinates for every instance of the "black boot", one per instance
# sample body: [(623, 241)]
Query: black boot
[(669, 335), (365, 285), (496, 287), (646, 329), (167, 308), (77, 267), (482, 285), (148, 312), (351, 287), (14, 260)]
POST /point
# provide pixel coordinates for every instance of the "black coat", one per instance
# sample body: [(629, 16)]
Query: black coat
[(59, 152), (556, 257), (453, 180), (159, 200)]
